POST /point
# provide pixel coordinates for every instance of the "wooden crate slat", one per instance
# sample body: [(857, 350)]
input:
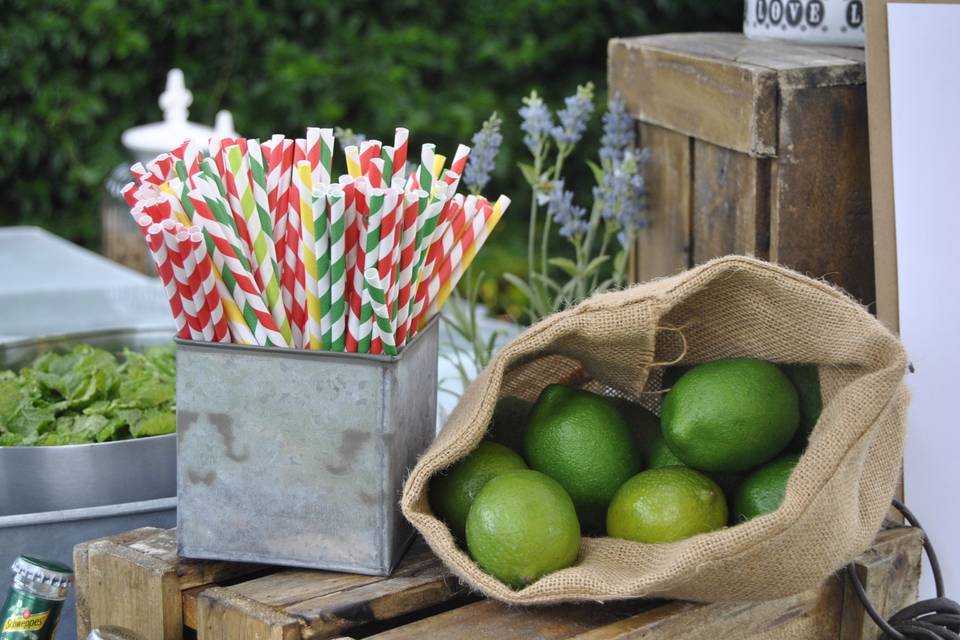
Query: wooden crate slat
[(82, 573), (820, 213), (731, 105), (489, 619), (663, 247), (225, 615), (325, 603), (729, 207), (890, 573)]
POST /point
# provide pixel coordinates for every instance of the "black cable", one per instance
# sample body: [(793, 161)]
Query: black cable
[(933, 619)]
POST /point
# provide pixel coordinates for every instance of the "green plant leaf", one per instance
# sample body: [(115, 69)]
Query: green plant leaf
[(529, 174), (595, 265), (566, 264), (597, 171)]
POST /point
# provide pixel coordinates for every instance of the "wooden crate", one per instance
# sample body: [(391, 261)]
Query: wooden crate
[(137, 581), (758, 148)]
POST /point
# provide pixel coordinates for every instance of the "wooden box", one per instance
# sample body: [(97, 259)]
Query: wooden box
[(136, 580), (758, 148)]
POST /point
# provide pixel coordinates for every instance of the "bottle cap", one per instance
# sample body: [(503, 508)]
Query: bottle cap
[(47, 579)]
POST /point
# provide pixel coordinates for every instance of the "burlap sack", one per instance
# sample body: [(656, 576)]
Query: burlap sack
[(735, 306)]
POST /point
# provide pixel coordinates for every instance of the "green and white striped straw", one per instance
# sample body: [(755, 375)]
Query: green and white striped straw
[(375, 203), (338, 271), (378, 301), (263, 262), (321, 250), (431, 217)]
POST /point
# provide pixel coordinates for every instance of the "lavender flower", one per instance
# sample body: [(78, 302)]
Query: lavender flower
[(537, 121), (571, 218), (618, 131), (622, 196), (483, 156), (574, 116), (347, 138)]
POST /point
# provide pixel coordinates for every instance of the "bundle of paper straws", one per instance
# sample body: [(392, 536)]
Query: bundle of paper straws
[(258, 243)]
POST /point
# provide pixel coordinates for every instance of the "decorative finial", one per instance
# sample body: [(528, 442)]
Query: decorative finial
[(175, 99), (223, 124)]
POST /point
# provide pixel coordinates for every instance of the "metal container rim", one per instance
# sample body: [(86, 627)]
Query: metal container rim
[(193, 345), (84, 335)]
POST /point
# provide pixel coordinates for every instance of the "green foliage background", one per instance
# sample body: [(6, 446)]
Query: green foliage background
[(75, 73)]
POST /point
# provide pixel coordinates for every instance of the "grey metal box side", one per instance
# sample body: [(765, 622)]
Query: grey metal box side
[(297, 458)]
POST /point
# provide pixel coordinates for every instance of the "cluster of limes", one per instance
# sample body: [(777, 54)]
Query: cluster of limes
[(730, 432)]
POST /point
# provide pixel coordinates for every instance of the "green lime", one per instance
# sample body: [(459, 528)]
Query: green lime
[(454, 489), (661, 456), (806, 380), (764, 489), (522, 525), (580, 440), (645, 424), (730, 415), (509, 423), (666, 505)]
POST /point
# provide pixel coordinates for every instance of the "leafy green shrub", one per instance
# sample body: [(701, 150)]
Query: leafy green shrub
[(75, 73)]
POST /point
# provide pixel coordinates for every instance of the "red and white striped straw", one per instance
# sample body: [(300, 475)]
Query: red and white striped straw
[(369, 149), (194, 285), (208, 288), (292, 284), (170, 230), (400, 144), (158, 248), (285, 159)]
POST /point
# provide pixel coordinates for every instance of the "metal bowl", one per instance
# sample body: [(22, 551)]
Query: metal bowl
[(38, 479)]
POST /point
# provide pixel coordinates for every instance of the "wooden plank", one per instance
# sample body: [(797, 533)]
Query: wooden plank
[(820, 215), (663, 246), (812, 614), (324, 604), (731, 104), (493, 620), (224, 615), (890, 573), (730, 208), (81, 587), (137, 583)]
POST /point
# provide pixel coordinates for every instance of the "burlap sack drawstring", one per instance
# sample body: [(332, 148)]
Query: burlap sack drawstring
[(734, 306)]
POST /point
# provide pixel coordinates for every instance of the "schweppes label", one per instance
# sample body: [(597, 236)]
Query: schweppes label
[(29, 617), (26, 622)]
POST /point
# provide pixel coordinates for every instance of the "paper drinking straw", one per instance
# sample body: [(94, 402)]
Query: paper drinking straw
[(456, 213), (235, 270), (283, 156), (458, 268), (338, 275), (388, 237), (292, 287), (263, 262), (208, 288), (369, 149), (376, 288), (235, 187), (386, 157), (169, 232), (195, 287), (312, 155), (312, 334), (400, 141), (351, 155), (425, 175), (158, 249), (411, 207), (374, 173), (459, 162), (429, 218), (376, 199), (322, 256)]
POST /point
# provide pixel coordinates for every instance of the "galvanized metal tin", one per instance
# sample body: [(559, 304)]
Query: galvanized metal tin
[(298, 458)]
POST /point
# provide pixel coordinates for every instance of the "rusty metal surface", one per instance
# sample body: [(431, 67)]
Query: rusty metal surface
[(297, 458)]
